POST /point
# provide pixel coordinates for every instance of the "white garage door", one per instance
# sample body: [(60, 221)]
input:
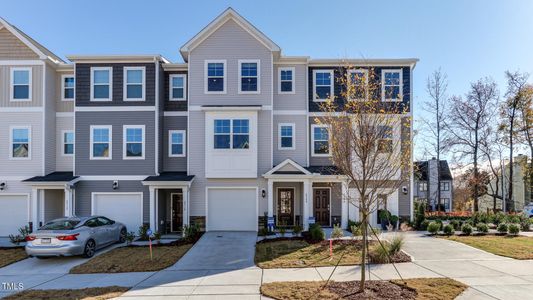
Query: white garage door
[(14, 211), (124, 208), (232, 209)]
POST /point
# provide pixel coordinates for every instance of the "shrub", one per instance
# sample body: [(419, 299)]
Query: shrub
[(433, 227), (420, 217), (524, 225), (23, 232), (466, 229), (191, 233), (456, 224), (502, 228), (380, 254), (513, 219), (297, 230), (396, 244), (356, 230), (499, 218), (424, 225), (439, 221), (157, 236), (514, 229), (142, 233), (482, 228), (448, 229), (337, 232), (352, 223), (130, 237), (316, 233), (394, 220), (282, 231)]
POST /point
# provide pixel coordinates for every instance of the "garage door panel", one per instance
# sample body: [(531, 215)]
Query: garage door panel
[(232, 209), (14, 211), (123, 208)]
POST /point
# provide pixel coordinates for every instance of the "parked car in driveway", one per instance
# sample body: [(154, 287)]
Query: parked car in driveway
[(528, 210), (74, 236)]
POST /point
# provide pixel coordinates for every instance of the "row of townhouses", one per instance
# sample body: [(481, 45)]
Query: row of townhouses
[(224, 140)]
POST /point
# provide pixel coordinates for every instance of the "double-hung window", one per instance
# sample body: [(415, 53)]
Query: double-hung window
[(286, 136), (231, 134), (133, 142), (286, 80), (358, 84), (423, 186), (321, 141), (385, 139), (176, 143), (101, 83), (215, 81), (67, 87), (20, 142), (134, 83), (68, 143), (178, 87), (241, 134), (101, 142), (20, 84), (444, 186), (391, 85), (323, 85), (249, 76)]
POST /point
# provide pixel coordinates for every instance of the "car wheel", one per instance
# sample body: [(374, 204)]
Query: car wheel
[(90, 249), (123, 233)]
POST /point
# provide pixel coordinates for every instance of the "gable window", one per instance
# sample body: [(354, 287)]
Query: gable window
[(176, 143), (20, 142), (391, 85), (248, 76), (286, 80), (134, 82), (68, 143), (20, 84), (422, 186), (101, 142), (232, 134), (323, 84), (133, 142), (215, 82), (320, 140), (101, 83), (178, 87), (358, 84), (67, 87), (286, 136), (444, 186), (385, 140)]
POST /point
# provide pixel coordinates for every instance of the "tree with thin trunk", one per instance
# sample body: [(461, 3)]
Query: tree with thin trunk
[(526, 130), (369, 143), (492, 150)]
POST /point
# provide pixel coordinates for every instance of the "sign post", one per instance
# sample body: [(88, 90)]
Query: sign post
[(149, 234), (270, 224)]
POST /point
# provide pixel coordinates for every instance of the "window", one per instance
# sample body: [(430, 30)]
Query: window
[(286, 80), (133, 142), (446, 202), (249, 76), (20, 142), (101, 84), (422, 186), (101, 142), (232, 134), (358, 84), (391, 85), (385, 142), (286, 136), (176, 143), (323, 85), (134, 83), (215, 82), (20, 84), (444, 186), (178, 87), (67, 87), (68, 143), (320, 136)]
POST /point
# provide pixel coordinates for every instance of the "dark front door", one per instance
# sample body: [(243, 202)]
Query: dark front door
[(321, 206), (176, 211), (285, 207)]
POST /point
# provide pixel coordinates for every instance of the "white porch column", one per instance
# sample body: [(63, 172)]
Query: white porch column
[(270, 196), (41, 205), (68, 202), (345, 203), (35, 208), (186, 217), (152, 208), (307, 203)]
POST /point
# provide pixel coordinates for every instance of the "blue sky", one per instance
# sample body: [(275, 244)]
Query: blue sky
[(467, 39)]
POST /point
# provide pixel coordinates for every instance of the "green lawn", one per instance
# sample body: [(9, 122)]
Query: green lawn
[(518, 247)]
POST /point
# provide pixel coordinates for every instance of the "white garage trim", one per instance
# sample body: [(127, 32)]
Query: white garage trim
[(93, 194), (207, 188), (27, 202)]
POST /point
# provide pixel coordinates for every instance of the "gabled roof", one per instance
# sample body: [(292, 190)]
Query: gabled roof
[(421, 170), (228, 14), (296, 169)]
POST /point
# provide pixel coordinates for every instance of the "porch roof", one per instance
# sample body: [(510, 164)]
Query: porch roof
[(54, 177), (170, 176), (323, 170)]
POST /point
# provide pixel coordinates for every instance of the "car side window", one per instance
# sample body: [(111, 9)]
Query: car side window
[(91, 223), (104, 221)]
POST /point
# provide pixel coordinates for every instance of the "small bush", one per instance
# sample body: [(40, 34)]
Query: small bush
[(316, 233), (420, 217), (23, 232), (394, 220), (433, 227), (514, 229), (513, 219), (424, 225), (502, 228), (448, 229), (337, 232), (499, 218), (352, 223), (297, 230), (356, 230), (482, 228), (380, 254), (396, 244), (191, 233), (157, 236), (142, 232), (130, 237), (524, 225), (456, 224), (439, 221), (466, 229), (282, 231)]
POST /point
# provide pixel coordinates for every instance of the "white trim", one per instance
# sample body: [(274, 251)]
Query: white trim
[(276, 206), (21, 109), (293, 81), (313, 200), (63, 77), (93, 194), (349, 81), (290, 112), (60, 114), (125, 83), (113, 177), (225, 78), (283, 163), (175, 114), (293, 137), (184, 133), (313, 126), (331, 88), (63, 143), (399, 71), (225, 108), (207, 188), (258, 77), (125, 142), (12, 84), (171, 87), (110, 142), (113, 108), (110, 84), (11, 128), (157, 119), (27, 201)]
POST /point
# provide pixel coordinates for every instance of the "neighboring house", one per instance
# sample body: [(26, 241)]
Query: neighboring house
[(427, 181), (223, 140)]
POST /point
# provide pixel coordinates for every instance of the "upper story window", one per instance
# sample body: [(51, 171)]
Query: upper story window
[(286, 80), (286, 136), (133, 142), (249, 76), (176, 143), (67, 87), (444, 186), (101, 83), (134, 83), (20, 84), (232, 134), (20, 142), (215, 81), (178, 87), (101, 142), (323, 85), (320, 140), (391, 85), (358, 84), (68, 143), (385, 142), (423, 186)]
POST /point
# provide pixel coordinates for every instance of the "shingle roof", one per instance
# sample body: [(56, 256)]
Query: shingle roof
[(421, 170), (53, 177), (170, 176), (324, 170)]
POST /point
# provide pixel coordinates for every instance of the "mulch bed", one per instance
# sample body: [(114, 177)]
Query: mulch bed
[(373, 290)]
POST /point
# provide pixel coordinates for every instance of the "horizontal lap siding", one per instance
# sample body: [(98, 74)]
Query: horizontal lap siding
[(299, 154), (62, 106), (36, 87), (50, 121), (173, 164), (296, 101), (63, 162)]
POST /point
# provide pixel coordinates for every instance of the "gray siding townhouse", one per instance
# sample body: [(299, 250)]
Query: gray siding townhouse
[(427, 181), (224, 140)]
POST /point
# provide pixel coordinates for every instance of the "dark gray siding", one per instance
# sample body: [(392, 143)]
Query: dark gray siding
[(115, 166), (83, 85), (173, 105), (173, 164)]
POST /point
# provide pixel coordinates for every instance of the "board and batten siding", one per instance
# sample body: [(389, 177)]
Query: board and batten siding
[(299, 154), (296, 101), (174, 164), (36, 87), (12, 48)]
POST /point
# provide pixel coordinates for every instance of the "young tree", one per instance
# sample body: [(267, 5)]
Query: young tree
[(526, 131)]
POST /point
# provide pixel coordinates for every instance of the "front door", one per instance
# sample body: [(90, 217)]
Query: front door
[(176, 207), (321, 206), (285, 207)]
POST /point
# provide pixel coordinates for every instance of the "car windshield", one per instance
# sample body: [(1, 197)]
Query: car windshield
[(60, 225)]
